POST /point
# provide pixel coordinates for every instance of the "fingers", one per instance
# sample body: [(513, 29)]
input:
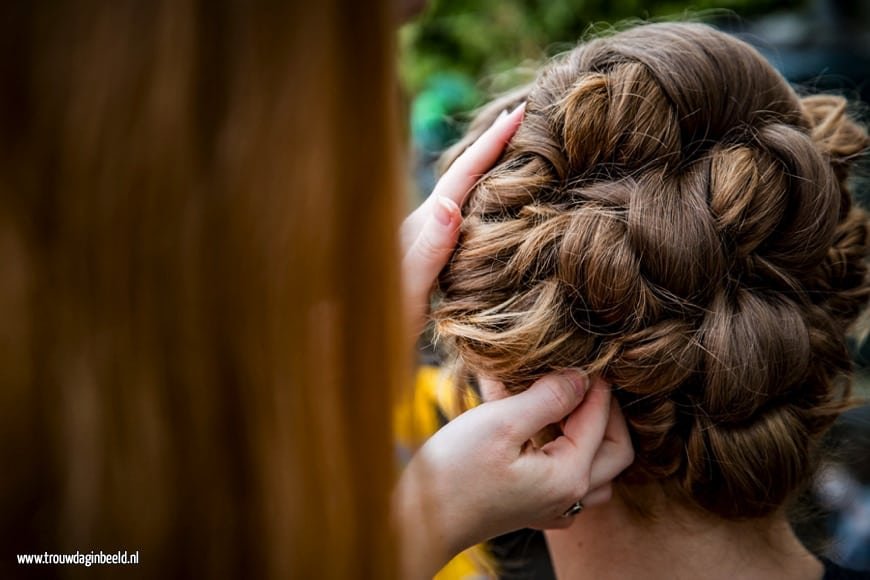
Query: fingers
[(598, 496), (429, 234), (427, 256), (463, 174), (458, 180), (584, 429), (490, 389), (616, 452), (594, 481), (572, 454), (547, 401)]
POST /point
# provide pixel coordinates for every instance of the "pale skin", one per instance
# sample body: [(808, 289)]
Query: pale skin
[(479, 476), (610, 542)]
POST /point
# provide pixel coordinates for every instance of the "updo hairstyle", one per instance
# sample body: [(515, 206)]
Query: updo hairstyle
[(672, 215)]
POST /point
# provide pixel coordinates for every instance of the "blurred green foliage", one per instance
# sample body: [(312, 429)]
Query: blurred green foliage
[(480, 39)]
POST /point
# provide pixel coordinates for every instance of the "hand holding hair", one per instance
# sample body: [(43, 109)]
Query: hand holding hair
[(479, 476), (593, 449), (429, 234)]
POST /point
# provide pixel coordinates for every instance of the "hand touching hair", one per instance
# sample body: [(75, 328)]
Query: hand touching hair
[(672, 215)]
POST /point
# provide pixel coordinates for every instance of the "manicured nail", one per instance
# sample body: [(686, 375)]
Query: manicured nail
[(578, 379), (445, 209), (520, 107)]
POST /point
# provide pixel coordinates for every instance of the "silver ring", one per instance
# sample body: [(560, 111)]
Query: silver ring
[(574, 509)]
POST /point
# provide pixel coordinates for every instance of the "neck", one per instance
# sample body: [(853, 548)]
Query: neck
[(610, 541)]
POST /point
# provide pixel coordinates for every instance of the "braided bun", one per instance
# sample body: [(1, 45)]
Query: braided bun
[(672, 215)]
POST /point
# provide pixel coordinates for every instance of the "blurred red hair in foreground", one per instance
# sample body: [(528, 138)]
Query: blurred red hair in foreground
[(199, 339)]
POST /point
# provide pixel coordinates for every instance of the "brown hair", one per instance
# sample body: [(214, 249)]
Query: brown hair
[(672, 215), (199, 346)]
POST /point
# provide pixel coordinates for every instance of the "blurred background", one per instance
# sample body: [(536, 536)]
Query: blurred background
[(456, 54)]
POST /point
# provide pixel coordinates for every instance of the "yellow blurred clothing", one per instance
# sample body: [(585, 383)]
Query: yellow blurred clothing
[(434, 401)]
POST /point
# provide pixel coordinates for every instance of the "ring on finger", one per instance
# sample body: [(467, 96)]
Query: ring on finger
[(573, 510)]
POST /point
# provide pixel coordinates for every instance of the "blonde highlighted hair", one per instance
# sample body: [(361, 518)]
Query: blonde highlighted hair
[(672, 215)]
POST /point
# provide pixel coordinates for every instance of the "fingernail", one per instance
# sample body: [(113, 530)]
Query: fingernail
[(578, 380), (445, 209), (501, 116), (521, 106)]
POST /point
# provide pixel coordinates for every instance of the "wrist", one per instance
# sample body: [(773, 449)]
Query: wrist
[(426, 530)]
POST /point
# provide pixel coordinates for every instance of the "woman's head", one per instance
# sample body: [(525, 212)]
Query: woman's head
[(672, 215)]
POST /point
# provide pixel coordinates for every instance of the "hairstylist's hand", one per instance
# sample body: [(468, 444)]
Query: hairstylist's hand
[(479, 476), (429, 234)]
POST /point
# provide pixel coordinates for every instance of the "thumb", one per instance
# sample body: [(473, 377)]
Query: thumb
[(427, 256), (549, 400)]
